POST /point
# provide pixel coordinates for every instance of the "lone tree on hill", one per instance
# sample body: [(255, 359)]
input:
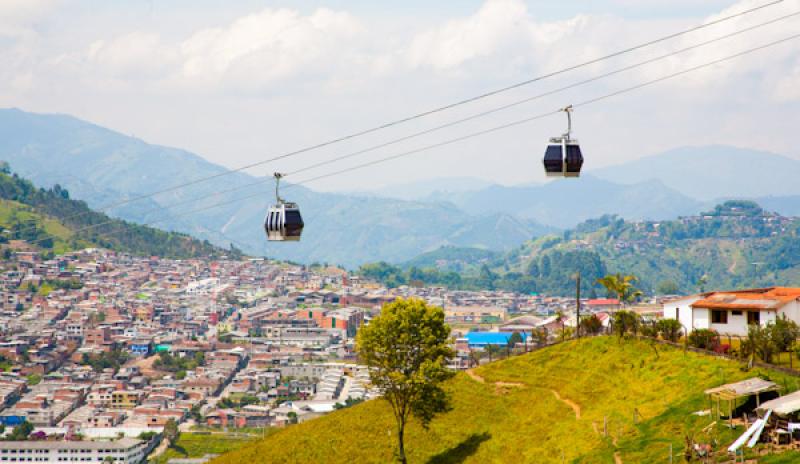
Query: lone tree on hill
[(621, 286), (407, 349)]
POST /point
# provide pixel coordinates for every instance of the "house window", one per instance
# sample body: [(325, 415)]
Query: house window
[(736, 313), (754, 317), (719, 317)]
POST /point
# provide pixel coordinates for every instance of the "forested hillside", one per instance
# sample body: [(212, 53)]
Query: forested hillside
[(736, 244), (50, 220)]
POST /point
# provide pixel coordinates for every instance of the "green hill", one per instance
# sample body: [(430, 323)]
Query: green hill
[(49, 220), (546, 406), (736, 244)]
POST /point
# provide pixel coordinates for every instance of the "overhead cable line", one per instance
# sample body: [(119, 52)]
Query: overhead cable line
[(542, 95), (493, 110), (440, 108), (544, 115), (474, 134)]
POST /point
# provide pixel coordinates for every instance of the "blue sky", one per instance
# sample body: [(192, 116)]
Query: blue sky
[(236, 82)]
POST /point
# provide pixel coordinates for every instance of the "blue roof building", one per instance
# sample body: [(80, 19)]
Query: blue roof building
[(482, 339)]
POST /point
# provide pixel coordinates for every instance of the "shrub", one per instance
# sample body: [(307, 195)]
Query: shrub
[(670, 329), (705, 339), (760, 342), (626, 322), (591, 325)]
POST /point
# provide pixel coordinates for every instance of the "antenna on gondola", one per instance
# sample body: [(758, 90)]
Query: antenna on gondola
[(563, 156), (283, 222)]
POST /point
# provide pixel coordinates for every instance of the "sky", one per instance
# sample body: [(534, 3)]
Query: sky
[(239, 82)]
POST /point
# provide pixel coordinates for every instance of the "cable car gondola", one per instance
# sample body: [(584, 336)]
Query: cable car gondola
[(563, 156), (283, 222)]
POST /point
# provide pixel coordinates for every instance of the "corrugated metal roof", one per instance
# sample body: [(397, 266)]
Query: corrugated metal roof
[(744, 388), (784, 405), (771, 298)]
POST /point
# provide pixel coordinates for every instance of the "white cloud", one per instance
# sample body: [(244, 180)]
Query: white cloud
[(282, 78), (268, 45), (18, 16), (495, 24)]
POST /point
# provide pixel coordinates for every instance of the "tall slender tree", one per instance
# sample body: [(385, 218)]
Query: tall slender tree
[(407, 349)]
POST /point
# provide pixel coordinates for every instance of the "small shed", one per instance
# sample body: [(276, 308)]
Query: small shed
[(785, 406), (734, 391)]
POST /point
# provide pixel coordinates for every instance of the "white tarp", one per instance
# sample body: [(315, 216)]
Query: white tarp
[(784, 405)]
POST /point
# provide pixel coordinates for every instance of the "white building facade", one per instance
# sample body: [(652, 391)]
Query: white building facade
[(730, 313)]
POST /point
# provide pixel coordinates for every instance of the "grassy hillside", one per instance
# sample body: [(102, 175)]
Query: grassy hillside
[(510, 411), (52, 221)]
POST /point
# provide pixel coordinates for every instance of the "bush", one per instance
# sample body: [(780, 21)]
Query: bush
[(760, 342), (649, 329), (784, 332), (626, 322), (705, 339), (670, 329), (591, 325)]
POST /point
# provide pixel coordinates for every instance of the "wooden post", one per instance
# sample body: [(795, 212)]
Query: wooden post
[(670, 453), (730, 413)]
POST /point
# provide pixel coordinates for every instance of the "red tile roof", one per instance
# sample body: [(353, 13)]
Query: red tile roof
[(756, 299), (602, 301)]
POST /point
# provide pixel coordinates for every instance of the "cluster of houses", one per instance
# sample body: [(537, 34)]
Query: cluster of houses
[(97, 345)]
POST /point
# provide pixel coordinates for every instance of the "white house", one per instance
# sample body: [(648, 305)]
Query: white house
[(729, 313)]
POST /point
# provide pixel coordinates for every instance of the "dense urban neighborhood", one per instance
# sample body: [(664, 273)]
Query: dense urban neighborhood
[(106, 354)]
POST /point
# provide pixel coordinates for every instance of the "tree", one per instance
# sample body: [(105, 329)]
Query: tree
[(492, 351), (591, 325), (784, 333), (626, 322), (670, 329), (21, 432), (621, 286), (407, 350), (171, 431), (514, 340)]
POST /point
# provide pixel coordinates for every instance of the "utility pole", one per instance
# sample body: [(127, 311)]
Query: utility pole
[(578, 301)]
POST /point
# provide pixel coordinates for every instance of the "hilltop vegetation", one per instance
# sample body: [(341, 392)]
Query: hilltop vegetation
[(735, 244), (52, 221), (511, 412)]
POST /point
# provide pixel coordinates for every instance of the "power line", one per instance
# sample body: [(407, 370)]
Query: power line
[(550, 113), (493, 110), (474, 134), (541, 95), (440, 108)]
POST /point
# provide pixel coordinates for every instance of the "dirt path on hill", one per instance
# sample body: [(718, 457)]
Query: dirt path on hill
[(474, 376), (575, 407), (501, 388)]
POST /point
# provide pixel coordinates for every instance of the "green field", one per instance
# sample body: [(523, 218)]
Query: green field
[(525, 422), (196, 445)]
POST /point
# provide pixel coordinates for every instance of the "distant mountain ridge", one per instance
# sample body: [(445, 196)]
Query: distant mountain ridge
[(105, 167), (49, 220), (567, 202), (712, 172)]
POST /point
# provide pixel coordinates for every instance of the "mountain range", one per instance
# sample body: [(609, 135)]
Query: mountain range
[(106, 168)]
